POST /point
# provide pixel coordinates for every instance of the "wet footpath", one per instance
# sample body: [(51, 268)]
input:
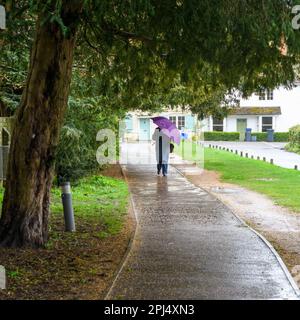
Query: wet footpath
[(189, 245)]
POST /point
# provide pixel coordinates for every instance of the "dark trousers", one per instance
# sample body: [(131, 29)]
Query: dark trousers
[(164, 168)]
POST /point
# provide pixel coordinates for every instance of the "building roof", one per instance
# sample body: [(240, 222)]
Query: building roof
[(260, 111)]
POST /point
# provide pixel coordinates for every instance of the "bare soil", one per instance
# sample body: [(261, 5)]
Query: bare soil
[(76, 266)]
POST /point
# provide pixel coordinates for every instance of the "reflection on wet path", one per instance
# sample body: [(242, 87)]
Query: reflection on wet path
[(190, 246)]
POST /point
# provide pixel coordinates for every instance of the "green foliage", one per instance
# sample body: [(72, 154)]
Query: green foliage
[(170, 53), (94, 197), (281, 136), (294, 139), (146, 55), (281, 184), (221, 136), (278, 136), (76, 154), (235, 136), (260, 136), (97, 197), (15, 46)]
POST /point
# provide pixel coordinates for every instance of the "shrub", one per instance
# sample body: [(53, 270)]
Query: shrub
[(281, 136), (76, 152), (235, 136), (260, 136), (278, 136), (221, 136), (74, 157), (294, 139)]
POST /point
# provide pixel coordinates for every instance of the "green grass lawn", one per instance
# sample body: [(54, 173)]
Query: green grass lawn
[(96, 199), (282, 185), (73, 265), (99, 198)]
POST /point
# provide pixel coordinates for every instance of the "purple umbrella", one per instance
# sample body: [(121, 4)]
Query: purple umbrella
[(168, 128)]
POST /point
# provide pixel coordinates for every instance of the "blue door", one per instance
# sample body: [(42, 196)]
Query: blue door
[(145, 129)]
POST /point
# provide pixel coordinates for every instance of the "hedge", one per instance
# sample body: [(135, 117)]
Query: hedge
[(294, 139), (235, 136), (221, 136), (281, 136), (278, 136)]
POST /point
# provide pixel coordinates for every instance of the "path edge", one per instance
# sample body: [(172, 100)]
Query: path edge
[(261, 237), (124, 260)]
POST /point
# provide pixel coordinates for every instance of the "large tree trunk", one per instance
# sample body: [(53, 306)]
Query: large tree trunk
[(25, 211)]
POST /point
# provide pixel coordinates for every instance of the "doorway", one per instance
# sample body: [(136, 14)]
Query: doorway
[(241, 126), (144, 134)]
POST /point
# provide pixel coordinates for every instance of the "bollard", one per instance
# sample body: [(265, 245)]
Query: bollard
[(236, 152), (2, 17), (247, 156), (272, 161), (264, 159), (2, 278), (296, 167), (66, 197), (258, 158), (241, 153), (252, 157)]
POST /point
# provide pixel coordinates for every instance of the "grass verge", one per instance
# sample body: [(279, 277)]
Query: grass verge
[(282, 185), (74, 265)]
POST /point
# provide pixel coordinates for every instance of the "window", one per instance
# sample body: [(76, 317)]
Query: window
[(262, 95), (267, 123), (218, 124), (173, 119), (270, 95), (129, 123), (266, 95), (181, 122)]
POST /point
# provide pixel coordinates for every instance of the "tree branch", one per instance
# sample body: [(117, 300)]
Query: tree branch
[(126, 34)]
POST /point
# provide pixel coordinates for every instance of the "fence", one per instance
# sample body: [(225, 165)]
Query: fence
[(4, 151)]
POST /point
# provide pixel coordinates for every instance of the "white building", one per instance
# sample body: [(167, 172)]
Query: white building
[(278, 110), (140, 127)]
